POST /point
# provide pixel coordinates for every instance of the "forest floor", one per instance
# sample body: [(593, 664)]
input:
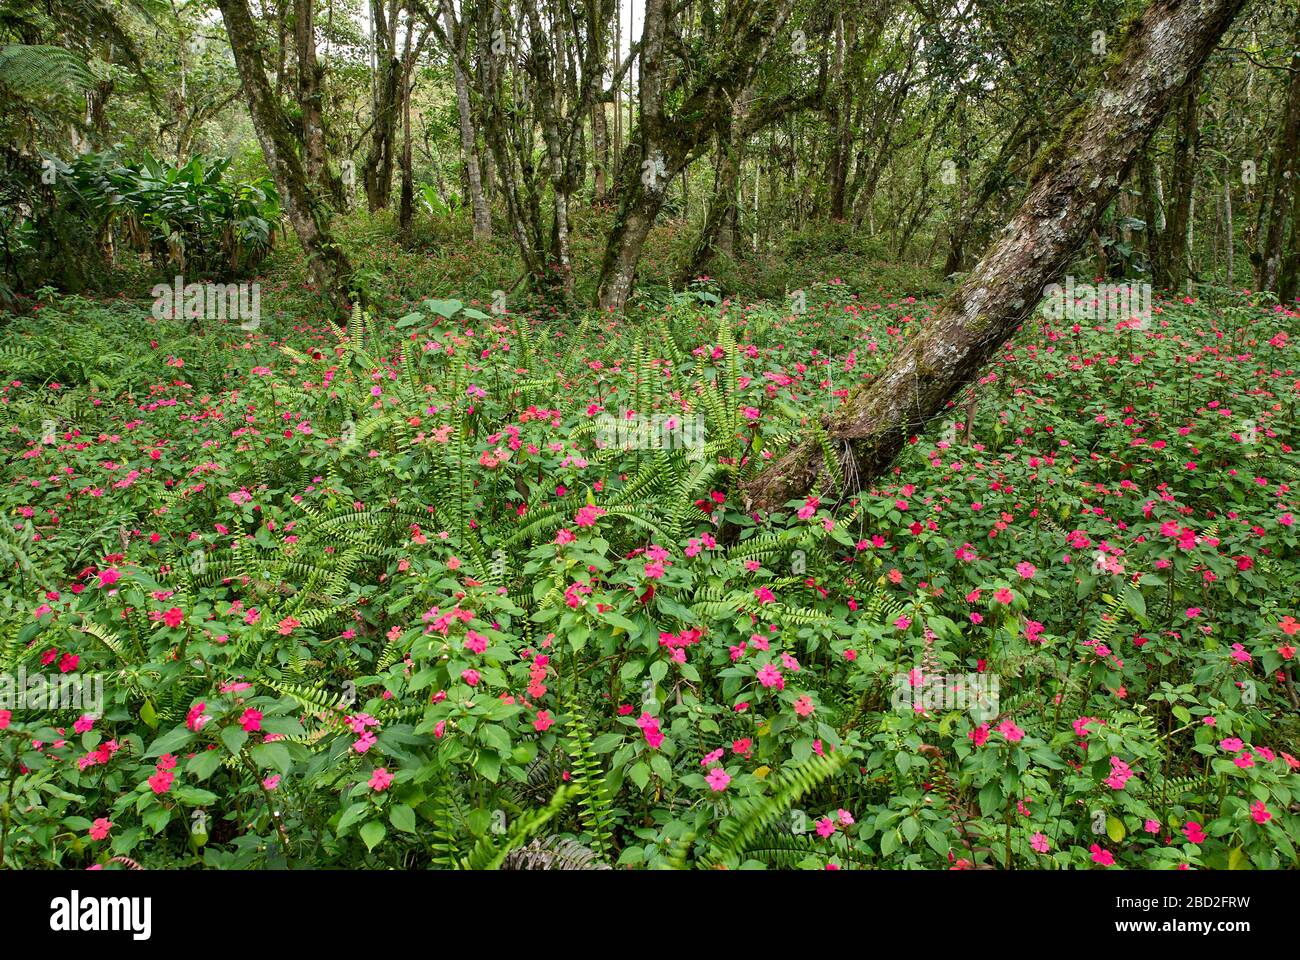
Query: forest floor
[(510, 548)]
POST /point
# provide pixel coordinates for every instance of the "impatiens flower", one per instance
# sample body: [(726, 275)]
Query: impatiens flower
[(587, 515), (718, 779), (825, 827), (85, 723), (979, 735), (380, 780), (251, 720), (1193, 831), (99, 829), (1259, 812), (271, 782), (711, 757), (1101, 856), (5, 717), (1120, 774), (764, 595), (804, 706), (1009, 730), (1151, 826), (770, 676), (1026, 570), (1230, 744), (161, 781), (470, 676), (1039, 842)]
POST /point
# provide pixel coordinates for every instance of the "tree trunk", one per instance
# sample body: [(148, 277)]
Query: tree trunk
[(309, 95), (1284, 168), (482, 216), (377, 168), (1076, 179), (1183, 186), (326, 263)]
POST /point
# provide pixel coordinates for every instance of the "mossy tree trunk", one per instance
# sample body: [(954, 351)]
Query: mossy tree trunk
[(1076, 179)]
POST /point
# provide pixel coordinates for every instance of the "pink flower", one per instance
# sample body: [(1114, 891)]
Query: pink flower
[(85, 723), (251, 720), (825, 827), (1259, 812), (543, 721), (5, 717), (365, 742), (380, 780), (1193, 831), (1151, 826), (587, 515), (99, 829), (718, 779), (1026, 571), (804, 706), (271, 782), (470, 676), (764, 595), (980, 735), (770, 676), (109, 577), (161, 781), (1230, 744), (1120, 774), (1003, 595), (1104, 857), (809, 508), (1039, 842), (1009, 730), (711, 757)]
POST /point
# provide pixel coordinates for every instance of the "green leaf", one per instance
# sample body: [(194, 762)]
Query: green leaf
[(372, 831), (234, 738), (402, 817)]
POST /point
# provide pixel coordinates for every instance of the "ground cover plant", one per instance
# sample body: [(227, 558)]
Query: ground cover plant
[(396, 594), (484, 435)]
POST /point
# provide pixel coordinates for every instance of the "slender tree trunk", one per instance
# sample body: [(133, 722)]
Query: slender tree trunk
[(1284, 169), (1183, 187), (326, 263), (1230, 271), (1075, 181), (459, 36)]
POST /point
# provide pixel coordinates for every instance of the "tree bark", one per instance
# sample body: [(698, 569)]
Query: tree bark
[(1176, 248), (458, 35), (1284, 169), (1076, 179), (327, 265)]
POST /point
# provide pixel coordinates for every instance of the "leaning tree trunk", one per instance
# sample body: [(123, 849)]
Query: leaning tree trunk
[(1076, 179), (326, 263)]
